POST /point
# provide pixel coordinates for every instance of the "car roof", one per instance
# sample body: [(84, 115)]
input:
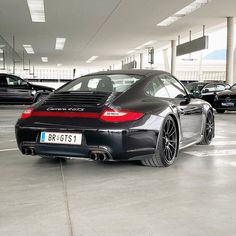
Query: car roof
[(141, 72), (9, 74)]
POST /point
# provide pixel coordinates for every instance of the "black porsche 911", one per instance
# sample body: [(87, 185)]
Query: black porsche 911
[(144, 115), (226, 100)]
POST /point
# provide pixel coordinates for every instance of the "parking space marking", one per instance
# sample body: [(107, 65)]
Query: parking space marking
[(9, 149), (6, 141), (231, 152), (220, 137), (225, 143)]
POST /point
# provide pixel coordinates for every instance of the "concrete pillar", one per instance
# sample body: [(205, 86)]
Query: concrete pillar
[(141, 61), (173, 57), (166, 61), (230, 50)]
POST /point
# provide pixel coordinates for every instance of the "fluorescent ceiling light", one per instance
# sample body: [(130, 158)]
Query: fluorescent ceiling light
[(36, 8), (149, 43), (59, 65), (91, 59), (1, 59), (44, 59), (184, 12), (131, 51), (145, 44), (169, 21), (28, 48), (60, 42)]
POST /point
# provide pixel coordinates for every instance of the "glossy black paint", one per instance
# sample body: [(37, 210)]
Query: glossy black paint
[(14, 90), (226, 100), (133, 140), (206, 90)]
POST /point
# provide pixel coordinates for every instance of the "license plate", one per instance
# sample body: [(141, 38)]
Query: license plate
[(61, 138), (227, 104)]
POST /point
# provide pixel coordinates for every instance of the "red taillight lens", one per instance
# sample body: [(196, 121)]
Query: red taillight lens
[(110, 115), (27, 113)]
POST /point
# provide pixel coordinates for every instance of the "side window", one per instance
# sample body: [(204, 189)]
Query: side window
[(156, 89), (93, 83), (13, 81), (209, 88), (220, 87), (173, 87)]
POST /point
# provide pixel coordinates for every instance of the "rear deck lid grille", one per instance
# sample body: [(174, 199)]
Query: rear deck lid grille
[(83, 99)]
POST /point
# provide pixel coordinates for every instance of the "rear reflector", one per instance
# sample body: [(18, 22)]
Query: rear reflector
[(110, 115), (27, 113), (65, 114), (30, 113)]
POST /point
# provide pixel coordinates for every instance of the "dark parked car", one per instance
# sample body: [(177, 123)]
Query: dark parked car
[(14, 90), (226, 100), (121, 115), (206, 90)]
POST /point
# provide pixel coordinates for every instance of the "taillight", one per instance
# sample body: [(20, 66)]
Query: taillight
[(110, 115), (27, 113)]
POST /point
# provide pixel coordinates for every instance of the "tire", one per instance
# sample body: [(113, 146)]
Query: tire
[(167, 146), (220, 111), (208, 134)]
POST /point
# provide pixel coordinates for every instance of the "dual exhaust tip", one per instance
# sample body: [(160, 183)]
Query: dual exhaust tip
[(94, 155), (99, 156), (28, 151)]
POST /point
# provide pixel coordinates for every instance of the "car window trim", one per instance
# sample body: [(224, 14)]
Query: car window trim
[(184, 89), (155, 77)]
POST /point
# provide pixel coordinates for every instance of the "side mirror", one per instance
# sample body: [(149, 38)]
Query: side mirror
[(186, 100)]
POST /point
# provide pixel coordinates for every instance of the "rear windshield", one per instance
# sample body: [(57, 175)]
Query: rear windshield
[(101, 83)]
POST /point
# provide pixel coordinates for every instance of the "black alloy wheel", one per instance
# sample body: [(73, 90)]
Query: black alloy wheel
[(208, 134), (169, 140), (167, 147)]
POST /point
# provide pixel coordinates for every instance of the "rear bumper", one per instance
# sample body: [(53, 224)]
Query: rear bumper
[(117, 144)]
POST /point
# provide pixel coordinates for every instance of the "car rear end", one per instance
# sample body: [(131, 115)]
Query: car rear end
[(85, 124)]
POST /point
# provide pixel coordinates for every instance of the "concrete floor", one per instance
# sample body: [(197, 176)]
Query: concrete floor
[(196, 196)]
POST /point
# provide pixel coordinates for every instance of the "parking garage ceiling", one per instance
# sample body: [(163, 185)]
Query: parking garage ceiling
[(106, 28)]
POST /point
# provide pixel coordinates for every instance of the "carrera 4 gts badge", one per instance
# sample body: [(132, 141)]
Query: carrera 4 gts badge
[(65, 109)]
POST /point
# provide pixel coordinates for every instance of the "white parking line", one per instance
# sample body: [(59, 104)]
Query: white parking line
[(7, 150), (223, 143), (6, 141), (231, 152)]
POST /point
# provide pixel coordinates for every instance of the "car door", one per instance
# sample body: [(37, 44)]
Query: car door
[(208, 93), (3, 89), (18, 90), (189, 110)]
